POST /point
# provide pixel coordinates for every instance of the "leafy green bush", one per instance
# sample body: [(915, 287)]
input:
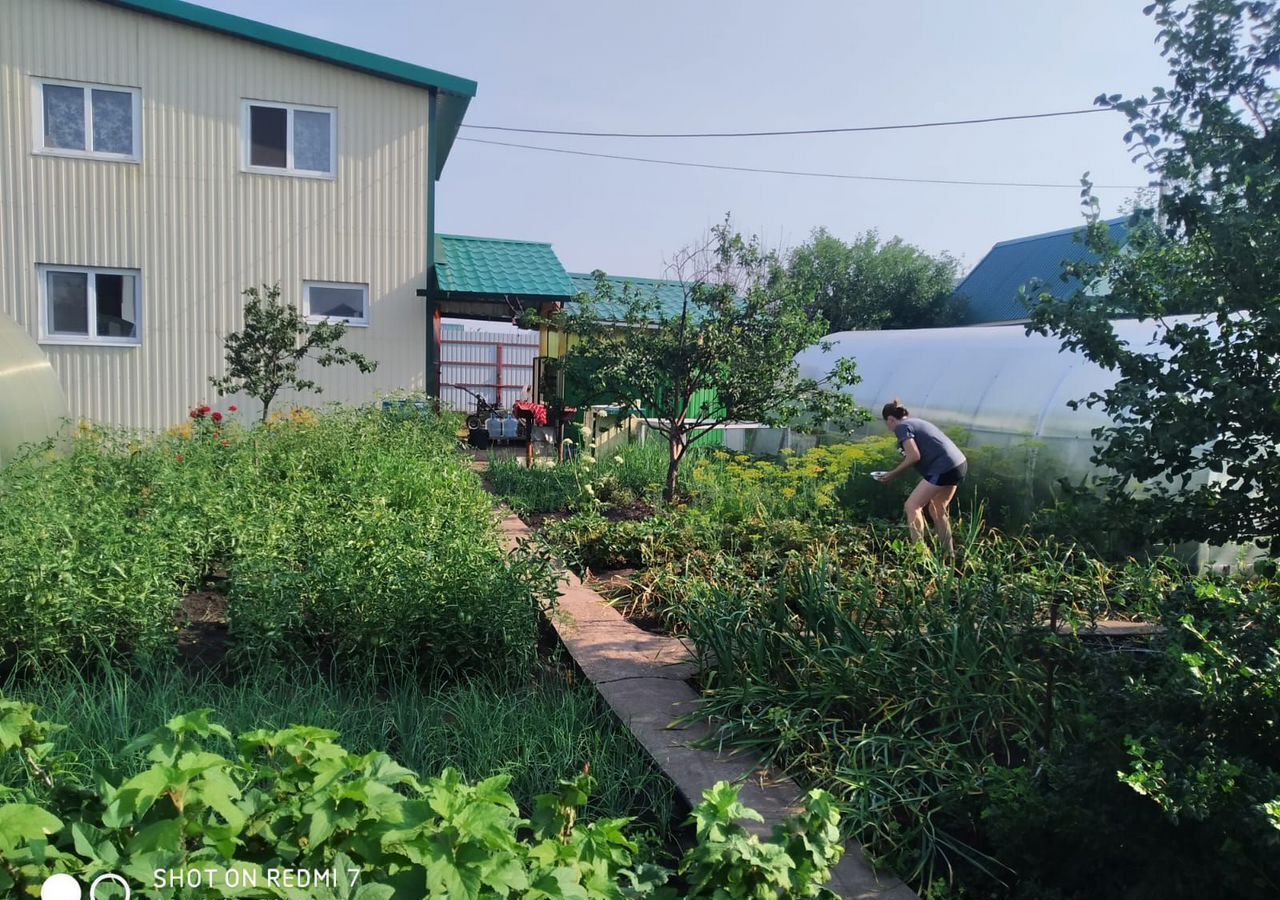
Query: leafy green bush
[(88, 556), (236, 809), (384, 547), (342, 536)]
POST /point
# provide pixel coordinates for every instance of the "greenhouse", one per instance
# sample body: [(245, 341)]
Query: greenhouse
[(32, 406), (998, 383)]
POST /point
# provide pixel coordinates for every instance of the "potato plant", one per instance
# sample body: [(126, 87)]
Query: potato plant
[(217, 811)]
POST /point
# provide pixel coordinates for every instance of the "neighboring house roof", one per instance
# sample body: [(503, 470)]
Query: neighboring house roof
[(670, 293), (474, 270), (454, 92), (494, 266), (992, 288)]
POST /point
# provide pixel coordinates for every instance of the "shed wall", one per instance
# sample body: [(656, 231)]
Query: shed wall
[(199, 229)]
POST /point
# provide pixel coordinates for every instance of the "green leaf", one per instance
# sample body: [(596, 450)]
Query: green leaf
[(23, 822)]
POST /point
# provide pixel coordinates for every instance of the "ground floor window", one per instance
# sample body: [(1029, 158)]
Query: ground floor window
[(90, 305), (332, 301)]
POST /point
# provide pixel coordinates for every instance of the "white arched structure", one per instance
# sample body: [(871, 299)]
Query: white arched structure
[(32, 405), (998, 383)]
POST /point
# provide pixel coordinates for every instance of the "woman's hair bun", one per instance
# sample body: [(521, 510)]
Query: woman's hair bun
[(894, 409)]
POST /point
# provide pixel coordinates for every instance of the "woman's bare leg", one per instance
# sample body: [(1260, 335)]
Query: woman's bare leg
[(915, 505), (941, 516)]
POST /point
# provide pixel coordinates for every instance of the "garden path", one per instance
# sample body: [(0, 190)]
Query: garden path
[(644, 679)]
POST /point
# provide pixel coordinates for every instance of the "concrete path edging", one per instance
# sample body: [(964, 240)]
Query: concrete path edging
[(642, 677)]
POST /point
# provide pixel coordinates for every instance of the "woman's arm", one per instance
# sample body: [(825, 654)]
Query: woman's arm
[(910, 456)]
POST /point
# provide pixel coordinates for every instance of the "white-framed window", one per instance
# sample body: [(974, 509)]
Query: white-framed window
[(91, 121), (335, 301), (80, 305), (288, 139)]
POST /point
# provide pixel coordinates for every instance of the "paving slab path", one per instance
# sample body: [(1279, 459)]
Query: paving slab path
[(644, 679)]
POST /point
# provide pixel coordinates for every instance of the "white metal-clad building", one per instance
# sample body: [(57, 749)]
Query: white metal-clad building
[(159, 157)]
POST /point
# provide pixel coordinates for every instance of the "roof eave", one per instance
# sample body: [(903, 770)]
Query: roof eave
[(302, 44)]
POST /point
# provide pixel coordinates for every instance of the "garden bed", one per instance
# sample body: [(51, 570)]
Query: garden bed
[(967, 716)]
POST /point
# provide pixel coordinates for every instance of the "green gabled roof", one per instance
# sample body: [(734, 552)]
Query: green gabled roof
[(476, 265), (455, 92), (670, 294)]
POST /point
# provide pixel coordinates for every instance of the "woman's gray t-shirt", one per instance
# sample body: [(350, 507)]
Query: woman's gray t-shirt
[(938, 453)]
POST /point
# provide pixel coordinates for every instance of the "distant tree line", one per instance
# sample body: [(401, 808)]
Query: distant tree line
[(870, 284)]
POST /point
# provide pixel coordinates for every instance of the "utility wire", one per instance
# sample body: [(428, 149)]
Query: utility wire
[(794, 172), (799, 131)]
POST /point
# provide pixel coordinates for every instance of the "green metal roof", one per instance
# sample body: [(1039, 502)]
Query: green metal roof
[(455, 92), (992, 288), (476, 265), (670, 293)]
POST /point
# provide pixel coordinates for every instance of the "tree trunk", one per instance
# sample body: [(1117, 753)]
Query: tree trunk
[(673, 467)]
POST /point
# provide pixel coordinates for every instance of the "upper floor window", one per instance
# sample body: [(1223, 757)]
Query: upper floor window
[(90, 305), (332, 301), (89, 120), (288, 139)]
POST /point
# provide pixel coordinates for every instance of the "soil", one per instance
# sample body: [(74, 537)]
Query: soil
[(202, 630), (613, 585)]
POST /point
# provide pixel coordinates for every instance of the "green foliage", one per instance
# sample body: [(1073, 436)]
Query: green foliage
[(351, 536), (741, 322), (631, 475), (869, 284), (536, 732), (294, 798), (1192, 415), (265, 357)]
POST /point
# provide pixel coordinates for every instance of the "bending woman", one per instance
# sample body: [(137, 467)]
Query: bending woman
[(941, 466)]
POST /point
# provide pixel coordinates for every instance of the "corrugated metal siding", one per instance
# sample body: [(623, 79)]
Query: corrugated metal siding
[(470, 359), (199, 229)]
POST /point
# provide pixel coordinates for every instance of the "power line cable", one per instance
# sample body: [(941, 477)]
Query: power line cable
[(783, 133), (795, 172)]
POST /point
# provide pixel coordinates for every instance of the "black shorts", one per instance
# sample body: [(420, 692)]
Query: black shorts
[(950, 477)]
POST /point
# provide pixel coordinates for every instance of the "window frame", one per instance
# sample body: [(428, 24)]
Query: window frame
[(246, 142), (316, 319), (37, 106), (92, 339)]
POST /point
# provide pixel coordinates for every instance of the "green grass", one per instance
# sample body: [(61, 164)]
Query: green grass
[(537, 733)]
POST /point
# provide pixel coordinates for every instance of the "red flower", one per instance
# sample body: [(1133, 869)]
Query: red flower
[(231, 409), (179, 457), (217, 417), (195, 413)]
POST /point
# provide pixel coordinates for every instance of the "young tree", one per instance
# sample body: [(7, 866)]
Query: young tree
[(265, 356), (739, 325), (869, 284), (1203, 401)]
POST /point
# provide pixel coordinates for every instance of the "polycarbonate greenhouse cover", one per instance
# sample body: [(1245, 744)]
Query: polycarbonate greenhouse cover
[(32, 406), (998, 383)]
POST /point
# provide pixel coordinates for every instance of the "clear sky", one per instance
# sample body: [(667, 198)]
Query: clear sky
[(716, 65)]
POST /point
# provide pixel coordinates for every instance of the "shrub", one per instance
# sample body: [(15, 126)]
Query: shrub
[(343, 535), (296, 799)]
